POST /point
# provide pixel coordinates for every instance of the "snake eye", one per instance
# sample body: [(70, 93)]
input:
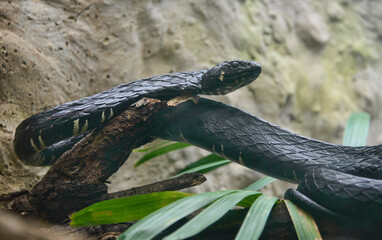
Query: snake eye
[(235, 64)]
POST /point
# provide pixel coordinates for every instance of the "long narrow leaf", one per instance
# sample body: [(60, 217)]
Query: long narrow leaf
[(357, 129), (153, 146), (205, 160), (151, 225), (304, 224), (161, 151), (210, 215), (256, 218), (247, 202), (206, 167), (260, 183), (124, 209)]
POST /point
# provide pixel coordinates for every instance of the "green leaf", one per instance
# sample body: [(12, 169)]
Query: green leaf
[(152, 147), (256, 218), (206, 167), (260, 183), (124, 209), (247, 202), (304, 224), (161, 151), (205, 160), (151, 225), (210, 215), (357, 129)]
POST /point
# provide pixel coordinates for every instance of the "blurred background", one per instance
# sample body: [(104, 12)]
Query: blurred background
[(321, 61)]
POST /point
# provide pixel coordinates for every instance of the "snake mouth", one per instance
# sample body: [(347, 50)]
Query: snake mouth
[(246, 77)]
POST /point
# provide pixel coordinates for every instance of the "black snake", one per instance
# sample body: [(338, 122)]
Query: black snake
[(37, 138), (333, 179)]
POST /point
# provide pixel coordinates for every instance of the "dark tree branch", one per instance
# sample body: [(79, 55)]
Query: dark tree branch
[(184, 181), (77, 179)]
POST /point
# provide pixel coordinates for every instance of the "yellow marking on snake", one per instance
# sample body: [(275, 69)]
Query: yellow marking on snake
[(294, 175), (169, 133), (85, 127), (222, 153), (42, 158), (181, 135), (237, 81), (103, 117), (111, 114), (42, 143), (76, 127), (213, 148), (241, 160), (221, 78), (35, 148)]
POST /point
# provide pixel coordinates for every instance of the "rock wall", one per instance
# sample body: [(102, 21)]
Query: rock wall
[(320, 59)]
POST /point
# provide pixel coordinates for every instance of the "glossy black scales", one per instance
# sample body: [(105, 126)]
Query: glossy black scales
[(39, 131), (338, 177)]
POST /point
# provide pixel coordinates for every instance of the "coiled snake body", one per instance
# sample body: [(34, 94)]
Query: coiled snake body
[(340, 178), (333, 179)]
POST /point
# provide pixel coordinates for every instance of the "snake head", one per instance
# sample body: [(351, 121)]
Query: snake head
[(229, 76)]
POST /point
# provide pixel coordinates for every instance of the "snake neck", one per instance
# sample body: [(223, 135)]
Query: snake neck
[(36, 137), (46, 128)]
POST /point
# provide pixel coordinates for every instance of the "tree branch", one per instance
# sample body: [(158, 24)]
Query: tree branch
[(184, 181), (77, 179)]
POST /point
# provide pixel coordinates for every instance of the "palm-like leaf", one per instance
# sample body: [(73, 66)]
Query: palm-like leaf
[(150, 226), (357, 129), (124, 209), (304, 224), (210, 215), (160, 151), (256, 218)]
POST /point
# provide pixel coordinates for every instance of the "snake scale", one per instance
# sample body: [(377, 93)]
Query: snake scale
[(334, 180)]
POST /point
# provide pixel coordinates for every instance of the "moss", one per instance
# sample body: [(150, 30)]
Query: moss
[(349, 50), (343, 60)]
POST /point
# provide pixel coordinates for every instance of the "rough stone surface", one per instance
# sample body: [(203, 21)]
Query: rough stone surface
[(310, 27), (321, 61), (335, 11)]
